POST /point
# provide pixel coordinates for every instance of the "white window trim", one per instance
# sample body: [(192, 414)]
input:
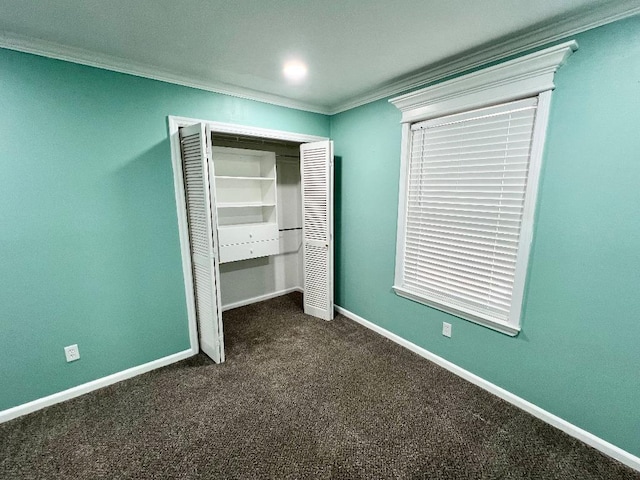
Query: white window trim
[(528, 76)]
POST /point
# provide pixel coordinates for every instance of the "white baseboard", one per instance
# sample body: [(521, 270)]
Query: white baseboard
[(73, 392), (40, 403), (260, 298), (596, 442)]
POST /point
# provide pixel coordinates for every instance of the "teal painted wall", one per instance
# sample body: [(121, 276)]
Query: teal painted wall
[(578, 355), (89, 248)]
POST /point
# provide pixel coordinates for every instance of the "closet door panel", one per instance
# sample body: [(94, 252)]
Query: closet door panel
[(202, 239), (316, 167)]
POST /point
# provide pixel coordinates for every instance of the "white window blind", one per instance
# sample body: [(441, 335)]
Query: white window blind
[(466, 186)]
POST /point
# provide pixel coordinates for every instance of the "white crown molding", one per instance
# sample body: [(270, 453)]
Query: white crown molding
[(518, 78), (499, 50), (21, 43), (576, 432)]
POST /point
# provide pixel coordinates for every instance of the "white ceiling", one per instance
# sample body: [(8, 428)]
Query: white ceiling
[(355, 49)]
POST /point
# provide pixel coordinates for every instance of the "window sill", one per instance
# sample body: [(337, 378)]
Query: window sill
[(492, 324)]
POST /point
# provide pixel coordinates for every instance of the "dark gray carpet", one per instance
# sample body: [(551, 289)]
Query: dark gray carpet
[(297, 398)]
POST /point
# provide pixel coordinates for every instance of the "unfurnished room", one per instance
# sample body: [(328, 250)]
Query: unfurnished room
[(320, 239)]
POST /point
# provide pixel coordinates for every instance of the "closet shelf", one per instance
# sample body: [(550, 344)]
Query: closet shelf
[(245, 204), (248, 225), (229, 177)]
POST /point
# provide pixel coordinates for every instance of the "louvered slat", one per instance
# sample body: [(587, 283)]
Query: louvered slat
[(317, 204), (316, 292), (466, 186), (199, 218), (194, 189)]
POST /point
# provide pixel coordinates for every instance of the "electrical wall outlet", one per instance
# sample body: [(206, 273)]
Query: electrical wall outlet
[(446, 329), (72, 353)]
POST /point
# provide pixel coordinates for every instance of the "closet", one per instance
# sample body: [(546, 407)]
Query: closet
[(259, 222)]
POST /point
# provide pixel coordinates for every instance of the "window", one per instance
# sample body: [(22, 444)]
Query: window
[(471, 157)]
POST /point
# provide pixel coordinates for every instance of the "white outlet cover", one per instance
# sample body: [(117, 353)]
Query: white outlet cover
[(446, 329), (72, 353)]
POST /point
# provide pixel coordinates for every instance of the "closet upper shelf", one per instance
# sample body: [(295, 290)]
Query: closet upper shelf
[(248, 225), (238, 162), (228, 177), (244, 204)]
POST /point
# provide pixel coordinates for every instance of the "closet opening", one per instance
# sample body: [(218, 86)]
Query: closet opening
[(255, 216), (259, 214)]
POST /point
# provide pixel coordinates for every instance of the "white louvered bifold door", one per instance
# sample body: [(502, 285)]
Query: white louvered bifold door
[(316, 165), (466, 187), (196, 167)]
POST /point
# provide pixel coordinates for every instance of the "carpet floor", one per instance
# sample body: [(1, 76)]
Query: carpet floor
[(297, 398)]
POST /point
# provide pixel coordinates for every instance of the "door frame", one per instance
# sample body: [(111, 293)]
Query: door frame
[(174, 124)]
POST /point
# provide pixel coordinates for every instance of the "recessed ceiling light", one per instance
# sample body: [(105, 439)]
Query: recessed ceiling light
[(295, 70)]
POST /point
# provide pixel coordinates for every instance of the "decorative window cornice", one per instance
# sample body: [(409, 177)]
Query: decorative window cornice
[(519, 78)]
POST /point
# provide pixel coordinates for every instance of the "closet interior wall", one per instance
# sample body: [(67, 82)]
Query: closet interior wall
[(245, 281)]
